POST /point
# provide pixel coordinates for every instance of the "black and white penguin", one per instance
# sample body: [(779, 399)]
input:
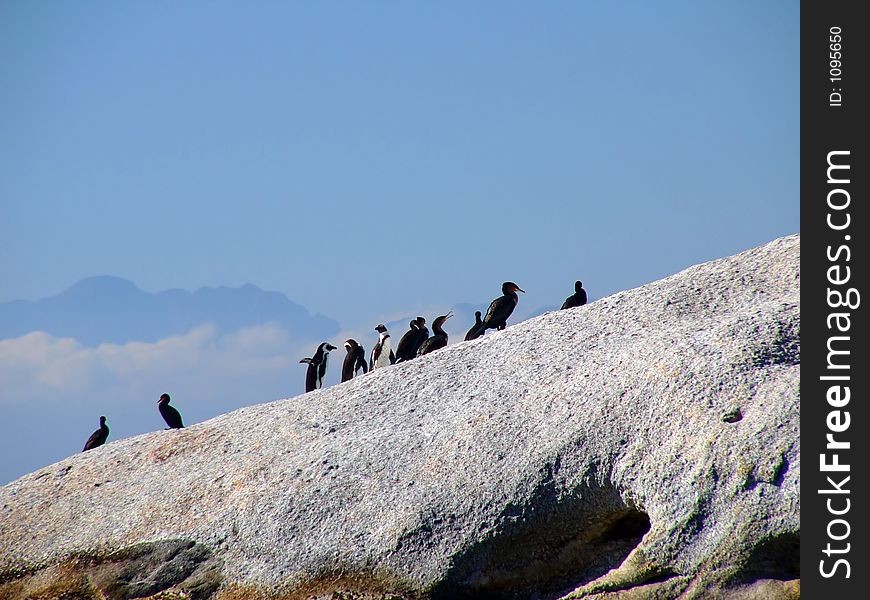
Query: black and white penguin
[(499, 310), (475, 331), (382, 353), (439, 336), (310, 375), (99, 437), (321, 356), (353, 361), (578, 298), (169, 413), (410, 342)]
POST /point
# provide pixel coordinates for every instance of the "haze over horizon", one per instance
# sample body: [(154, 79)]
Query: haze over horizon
[(368, 163)]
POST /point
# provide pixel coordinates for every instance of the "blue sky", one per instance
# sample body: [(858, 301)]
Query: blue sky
[(366, 157), (370, 161)]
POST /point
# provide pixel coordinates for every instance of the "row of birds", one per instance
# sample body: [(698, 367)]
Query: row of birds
[(416, 342)]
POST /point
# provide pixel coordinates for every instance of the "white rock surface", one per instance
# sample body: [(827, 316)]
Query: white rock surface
[(522, 464)]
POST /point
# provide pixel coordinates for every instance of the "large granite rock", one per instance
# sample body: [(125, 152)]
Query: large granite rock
[(643, 446)]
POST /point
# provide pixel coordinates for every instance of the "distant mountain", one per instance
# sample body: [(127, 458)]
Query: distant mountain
[(110, 309)]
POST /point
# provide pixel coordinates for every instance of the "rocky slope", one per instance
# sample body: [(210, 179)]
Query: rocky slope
[(642, 446)]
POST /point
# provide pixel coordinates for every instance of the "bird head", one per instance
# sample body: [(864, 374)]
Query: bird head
[(509, 287), (164, 399), (350, 344), (578, 285), (327, 346), (102, 421), (381, 328)]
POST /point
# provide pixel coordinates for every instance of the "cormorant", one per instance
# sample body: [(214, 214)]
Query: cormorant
[(354, 361), (439, 336), (475, 331), (310, 375), (169, 413), (410, 342), (499, 310), (382, 353), (98, 438), (578, 298)]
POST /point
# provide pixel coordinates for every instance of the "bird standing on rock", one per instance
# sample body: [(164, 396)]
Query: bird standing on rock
[(439, 336), (169, 413), (499, 310), (410, 342), (475, 331), (382, 353), (578, 298), (353, 361), (98, 438), (310, 375)]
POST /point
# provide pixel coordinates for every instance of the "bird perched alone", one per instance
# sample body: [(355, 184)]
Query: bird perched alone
[(98, 438), (353, 361), (410, 342), (578, 298), (475, 331), (499, 310), (169, 413), (439, 336), (382, 353)]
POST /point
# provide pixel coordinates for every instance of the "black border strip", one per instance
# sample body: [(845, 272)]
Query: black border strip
[(834, 230)]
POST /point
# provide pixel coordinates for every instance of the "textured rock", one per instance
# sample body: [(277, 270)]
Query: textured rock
[(582, 452)]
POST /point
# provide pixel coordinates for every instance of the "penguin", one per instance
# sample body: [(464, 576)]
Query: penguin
[(382, 353), (410, 342), (310, 375), (499, 310), (439, 336), (578, 298), (475, 331), (321, 356), (98, 438), (354, 361), (169, 413)]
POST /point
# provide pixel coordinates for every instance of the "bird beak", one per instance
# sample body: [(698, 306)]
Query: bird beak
[(519, 289), (450, 314)]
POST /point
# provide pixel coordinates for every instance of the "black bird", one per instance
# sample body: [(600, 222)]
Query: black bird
[(405, 342), (499, 310), (439, 336), (578, 298), (354, 361), (169, 413), (310, 375), (475, 331), (98, 438), (382, 353), (321, 356), (410, 342)]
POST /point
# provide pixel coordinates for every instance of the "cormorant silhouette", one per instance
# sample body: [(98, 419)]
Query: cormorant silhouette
[(169, 413), (499, 310), (98, 438), (475, 331), (439, 336), (578, 298), (410, 342)]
